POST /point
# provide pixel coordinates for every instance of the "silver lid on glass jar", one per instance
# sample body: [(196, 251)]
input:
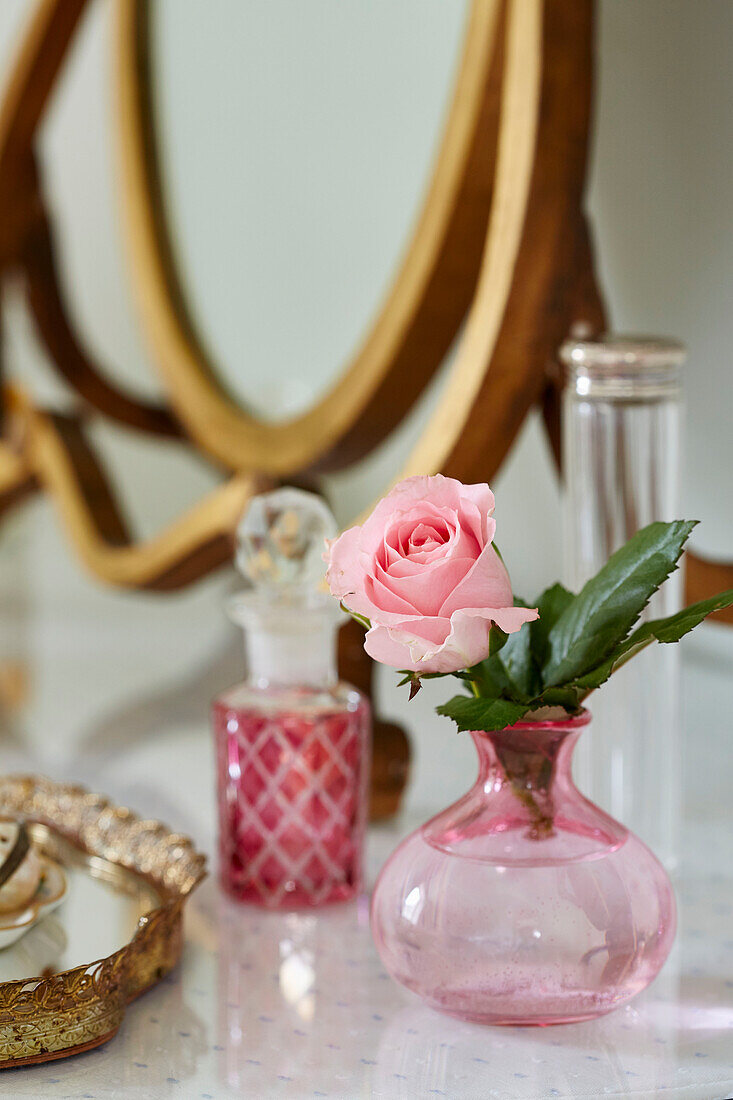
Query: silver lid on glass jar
[(623, 368)]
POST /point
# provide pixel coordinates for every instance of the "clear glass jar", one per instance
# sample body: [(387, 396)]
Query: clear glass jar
[(621, 464)]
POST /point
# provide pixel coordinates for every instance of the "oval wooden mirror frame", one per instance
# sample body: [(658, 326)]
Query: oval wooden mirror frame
[(501, 240), (502, 228), (520, 109), (416, 323)]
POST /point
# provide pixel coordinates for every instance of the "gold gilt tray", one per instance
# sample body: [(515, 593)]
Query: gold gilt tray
[(65, 985)]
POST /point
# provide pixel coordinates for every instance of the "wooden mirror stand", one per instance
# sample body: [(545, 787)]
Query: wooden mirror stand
[(500, 247)]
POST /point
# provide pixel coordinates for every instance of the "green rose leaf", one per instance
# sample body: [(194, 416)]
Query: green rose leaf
[(482, 714), (601, 615), (568, 696), (510, 669), (674, 627), (669, 629), (490, 678), (551, 604), (518, 665), (497, 640)]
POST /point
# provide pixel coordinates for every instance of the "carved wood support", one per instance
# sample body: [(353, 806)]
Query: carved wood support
[(501, 239), (705, 578)]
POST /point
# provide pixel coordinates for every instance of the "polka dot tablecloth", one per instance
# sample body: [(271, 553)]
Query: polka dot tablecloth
[(298, 1005)]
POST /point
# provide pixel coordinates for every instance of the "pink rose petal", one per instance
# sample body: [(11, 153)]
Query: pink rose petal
[(422, 569)]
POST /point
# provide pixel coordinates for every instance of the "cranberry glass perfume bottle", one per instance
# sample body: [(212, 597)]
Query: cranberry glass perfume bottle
[(292, 743)]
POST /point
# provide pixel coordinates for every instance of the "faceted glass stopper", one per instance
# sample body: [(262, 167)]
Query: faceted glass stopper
[(281, 540)]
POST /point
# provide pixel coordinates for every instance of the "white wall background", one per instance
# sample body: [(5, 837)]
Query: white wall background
[(297, 137)]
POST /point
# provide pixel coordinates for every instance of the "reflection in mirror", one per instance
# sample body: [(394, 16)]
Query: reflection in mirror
[(98, 916), (293, 165)]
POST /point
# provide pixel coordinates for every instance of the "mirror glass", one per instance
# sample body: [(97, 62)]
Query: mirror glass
[(295, 142), (98, 915)]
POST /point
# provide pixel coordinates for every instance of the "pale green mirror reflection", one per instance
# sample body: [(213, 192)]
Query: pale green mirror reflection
[(295, 143)]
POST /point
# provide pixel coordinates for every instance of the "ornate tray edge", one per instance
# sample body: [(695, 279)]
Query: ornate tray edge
[(44, 1018)]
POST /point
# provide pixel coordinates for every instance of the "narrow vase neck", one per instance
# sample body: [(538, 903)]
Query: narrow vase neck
[(530, 762), (524, 808), (543, 757)]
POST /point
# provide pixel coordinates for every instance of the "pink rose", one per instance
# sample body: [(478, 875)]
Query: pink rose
[(423, 571)]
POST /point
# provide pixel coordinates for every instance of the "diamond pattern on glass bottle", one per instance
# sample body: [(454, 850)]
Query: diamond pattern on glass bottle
[(292, 797)]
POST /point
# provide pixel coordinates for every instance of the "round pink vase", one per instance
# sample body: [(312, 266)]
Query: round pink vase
[(524, 903)]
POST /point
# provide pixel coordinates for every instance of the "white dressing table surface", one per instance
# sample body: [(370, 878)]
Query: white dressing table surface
[(298, 1005)]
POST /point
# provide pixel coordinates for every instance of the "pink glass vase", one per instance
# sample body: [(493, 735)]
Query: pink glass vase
[(292, 767), (524, 903)]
